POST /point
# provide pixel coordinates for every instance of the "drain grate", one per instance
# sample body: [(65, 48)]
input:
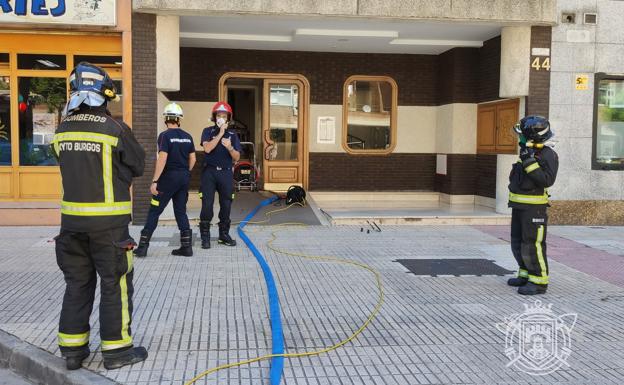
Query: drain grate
[(455, 267)]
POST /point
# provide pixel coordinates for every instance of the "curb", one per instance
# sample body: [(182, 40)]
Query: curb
[(42, 367)]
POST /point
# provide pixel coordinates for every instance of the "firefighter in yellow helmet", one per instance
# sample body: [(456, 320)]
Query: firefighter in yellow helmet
[(176, 158)]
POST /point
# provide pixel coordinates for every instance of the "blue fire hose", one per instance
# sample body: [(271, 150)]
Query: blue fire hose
[(277, 335)]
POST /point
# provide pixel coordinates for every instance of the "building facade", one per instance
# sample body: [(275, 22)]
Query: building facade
[(359, 96)]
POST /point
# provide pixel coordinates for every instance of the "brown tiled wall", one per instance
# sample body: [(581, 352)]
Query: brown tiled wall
[(415, 75), (460, 75), (468, 175), (489, 70), (460, 175), (144, 105), (485, 184), (197, 170), (539, 81), (396, 172)]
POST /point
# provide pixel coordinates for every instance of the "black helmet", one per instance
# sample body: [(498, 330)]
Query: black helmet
[(534, 128), (89, 77)]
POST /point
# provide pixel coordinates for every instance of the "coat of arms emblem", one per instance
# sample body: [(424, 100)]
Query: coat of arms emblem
[(538, 341)]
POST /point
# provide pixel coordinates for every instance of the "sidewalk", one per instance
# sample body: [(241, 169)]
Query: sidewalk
[(197, 313)]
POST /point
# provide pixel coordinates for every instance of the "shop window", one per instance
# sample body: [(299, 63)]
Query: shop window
[(116, 107), (41, 62), (4, 61), (495, 123), (112, 64), (608, 135), (40, 102), (369, 114), (5, 121)]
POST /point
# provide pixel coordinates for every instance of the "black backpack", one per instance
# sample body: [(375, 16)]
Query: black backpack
[(295, 194)]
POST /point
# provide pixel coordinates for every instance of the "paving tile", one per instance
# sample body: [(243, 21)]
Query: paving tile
[(197, 313)]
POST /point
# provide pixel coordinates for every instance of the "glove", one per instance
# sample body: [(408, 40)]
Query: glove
[(522, 140), (526, 153)]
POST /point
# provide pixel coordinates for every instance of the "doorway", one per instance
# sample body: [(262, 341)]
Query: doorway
[(271, 112)]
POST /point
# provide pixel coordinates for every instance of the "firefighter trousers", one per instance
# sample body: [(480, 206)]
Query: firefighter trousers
[(82, 257), (217, 180), (173, 186), (528, 242)]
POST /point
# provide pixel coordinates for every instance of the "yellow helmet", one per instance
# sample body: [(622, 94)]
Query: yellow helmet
[(173, 111)]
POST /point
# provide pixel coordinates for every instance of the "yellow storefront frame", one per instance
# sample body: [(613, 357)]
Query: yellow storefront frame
[(43, 183)]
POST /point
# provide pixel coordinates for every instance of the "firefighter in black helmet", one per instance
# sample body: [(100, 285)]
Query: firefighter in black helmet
[(529, 181), (98, 157)]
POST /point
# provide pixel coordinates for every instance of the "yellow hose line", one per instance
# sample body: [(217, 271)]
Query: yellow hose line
[(327, 258)]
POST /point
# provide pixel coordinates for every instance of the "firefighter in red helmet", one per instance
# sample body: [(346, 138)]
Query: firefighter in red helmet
[(222, 149)]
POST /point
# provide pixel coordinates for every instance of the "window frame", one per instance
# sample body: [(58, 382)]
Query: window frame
[(9, 127), (393, 114), (595, 165)]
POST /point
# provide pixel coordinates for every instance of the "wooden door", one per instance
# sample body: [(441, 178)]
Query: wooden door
[(506, 118), (283, 134), (495, 123), (486, 129)]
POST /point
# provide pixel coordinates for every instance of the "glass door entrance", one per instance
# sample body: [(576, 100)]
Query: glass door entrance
[(270, 111), (281, 128)]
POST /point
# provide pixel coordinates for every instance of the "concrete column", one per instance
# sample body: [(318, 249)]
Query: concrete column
[(515, 61), (167, 71), (503, 168), (168, 53)]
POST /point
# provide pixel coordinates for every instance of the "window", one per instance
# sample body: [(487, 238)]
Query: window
[(112, 65), (41, 62), (608, 136), (5, 121), (284, 122), (4, 61), (41, 102), (116, 107), (369, 114)]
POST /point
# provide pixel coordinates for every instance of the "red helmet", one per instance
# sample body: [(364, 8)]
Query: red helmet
[(221, 107)]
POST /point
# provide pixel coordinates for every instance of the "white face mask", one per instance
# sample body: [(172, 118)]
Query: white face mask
[(220, 122)]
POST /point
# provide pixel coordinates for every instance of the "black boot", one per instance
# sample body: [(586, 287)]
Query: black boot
[(224, 236), (115, 359), (141, 250), (186, 244), (74, 358), (531, 289), (518, 281), (204, 231)]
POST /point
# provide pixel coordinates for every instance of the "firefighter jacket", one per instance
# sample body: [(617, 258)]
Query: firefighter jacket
[(98, 157), (529, 179)]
